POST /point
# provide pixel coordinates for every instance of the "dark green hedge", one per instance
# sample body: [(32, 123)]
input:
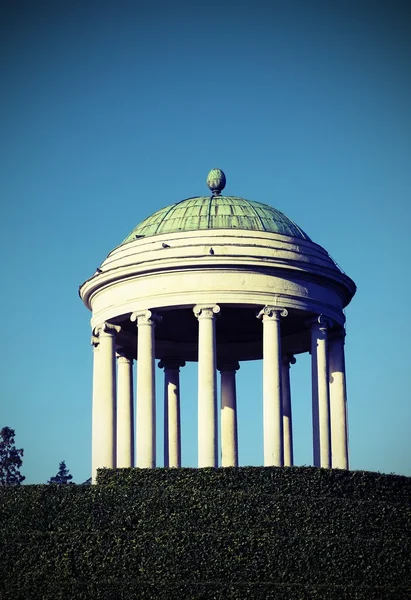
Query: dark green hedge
[(305, 481), (291, 533)]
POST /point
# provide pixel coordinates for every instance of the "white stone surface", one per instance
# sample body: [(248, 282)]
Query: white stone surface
[(321, 393), (125, 412), (247, 267), (338, 403), (287, 414), (146, 390), (228, 415), (207, 385), (172, 418), (272, 386), (104, 399)]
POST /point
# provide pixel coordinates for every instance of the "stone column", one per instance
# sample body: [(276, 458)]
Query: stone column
[(272, 386), (125, 411), (207, 385), (172, 422), (146, 389), (229, 432), (287, 416), (338, 402), (320, 393), (104, 398)]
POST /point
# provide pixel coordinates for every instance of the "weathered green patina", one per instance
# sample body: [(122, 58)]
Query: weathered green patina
[(217, 212), (216, 181)]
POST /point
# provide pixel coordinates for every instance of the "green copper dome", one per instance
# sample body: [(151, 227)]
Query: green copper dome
[(217, 212)]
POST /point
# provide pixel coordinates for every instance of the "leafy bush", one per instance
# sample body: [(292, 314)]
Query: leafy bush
[(285, 533)]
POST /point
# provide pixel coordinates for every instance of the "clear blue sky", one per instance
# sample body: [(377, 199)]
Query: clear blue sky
[(110, 111)]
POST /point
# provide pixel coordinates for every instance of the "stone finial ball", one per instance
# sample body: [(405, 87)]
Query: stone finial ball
[(216, 180)]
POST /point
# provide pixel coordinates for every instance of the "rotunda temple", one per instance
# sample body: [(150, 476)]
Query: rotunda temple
[(216, 280)]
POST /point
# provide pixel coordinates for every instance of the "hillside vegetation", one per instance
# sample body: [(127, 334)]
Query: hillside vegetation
[(298, 533)]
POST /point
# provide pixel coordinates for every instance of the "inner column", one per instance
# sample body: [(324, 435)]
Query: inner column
[(146, 389), (272, 386), (125, 410), (338, 402), (288, 360), (321, 393), (172, 420), (207, 385), (229, 429)]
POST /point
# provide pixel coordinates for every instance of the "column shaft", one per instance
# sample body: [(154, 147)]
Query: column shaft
[(173, 410), (104, 400), (207, 386), (272, 387), (321, 396), (229, 435), (172, 419), (125, 412), (314, 395), (338, 404), (287, 415), (146, 392)]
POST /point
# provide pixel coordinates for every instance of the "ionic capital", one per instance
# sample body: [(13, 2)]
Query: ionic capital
[(206, 311), (288, 359), (171, 363), (145, 317), (228, 365), (272, 313), (319, 322), (104, 329), (338, 334), (95, 340), (123, 356)]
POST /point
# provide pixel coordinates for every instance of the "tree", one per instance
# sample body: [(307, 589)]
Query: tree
[(10, 459), (63, 475)]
